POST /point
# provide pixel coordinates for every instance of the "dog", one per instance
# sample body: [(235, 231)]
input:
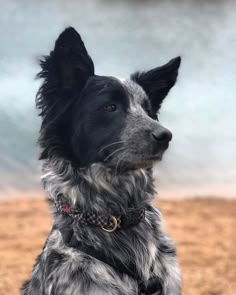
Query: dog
[(99, 139)]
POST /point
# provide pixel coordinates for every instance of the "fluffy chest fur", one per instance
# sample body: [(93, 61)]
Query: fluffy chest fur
[(68, 270)]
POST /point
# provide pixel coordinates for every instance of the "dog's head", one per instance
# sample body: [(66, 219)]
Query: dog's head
[(89, 118)]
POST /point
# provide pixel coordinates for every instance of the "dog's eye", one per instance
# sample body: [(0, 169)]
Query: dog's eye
[(110, 108)]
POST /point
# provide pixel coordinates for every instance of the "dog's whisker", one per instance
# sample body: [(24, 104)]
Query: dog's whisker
[(113, 143), (114, 152), (120, 161)]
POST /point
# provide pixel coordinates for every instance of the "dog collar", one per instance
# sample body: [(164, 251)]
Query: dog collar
[(108, 223)]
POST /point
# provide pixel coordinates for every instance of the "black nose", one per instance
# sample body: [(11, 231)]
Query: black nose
[(162, 136)]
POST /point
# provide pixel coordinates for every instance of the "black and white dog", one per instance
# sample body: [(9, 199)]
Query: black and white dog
[(100, 137)]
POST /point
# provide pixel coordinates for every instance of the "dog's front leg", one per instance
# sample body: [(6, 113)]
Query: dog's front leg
[(167, 262), (34, 286)]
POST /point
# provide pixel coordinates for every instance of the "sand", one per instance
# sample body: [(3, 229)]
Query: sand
[(204, 231)]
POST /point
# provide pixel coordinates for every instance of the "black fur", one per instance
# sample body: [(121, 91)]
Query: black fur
[(158, 82)]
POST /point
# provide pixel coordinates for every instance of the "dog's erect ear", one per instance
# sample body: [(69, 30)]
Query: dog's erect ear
[(65, 70), (157, 82), (74, 64)]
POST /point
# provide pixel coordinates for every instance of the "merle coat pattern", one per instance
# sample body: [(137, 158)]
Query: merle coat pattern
[(99, 139)]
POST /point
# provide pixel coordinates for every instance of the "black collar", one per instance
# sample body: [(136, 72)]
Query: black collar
[(108, 223)]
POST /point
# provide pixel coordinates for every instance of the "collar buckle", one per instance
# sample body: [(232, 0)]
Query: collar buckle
[(112, 226)]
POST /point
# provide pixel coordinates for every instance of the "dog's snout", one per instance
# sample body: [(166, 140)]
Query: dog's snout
[(162, 136)]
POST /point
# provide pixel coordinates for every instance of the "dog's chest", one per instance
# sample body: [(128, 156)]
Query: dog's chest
[(139, 246), (69, 271)]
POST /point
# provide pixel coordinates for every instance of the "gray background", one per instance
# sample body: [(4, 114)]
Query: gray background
[(124, 36)]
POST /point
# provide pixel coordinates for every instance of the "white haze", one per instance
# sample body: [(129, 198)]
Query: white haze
[(122, 37)]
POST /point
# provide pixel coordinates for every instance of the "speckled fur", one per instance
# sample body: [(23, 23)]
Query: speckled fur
[(62, 270)]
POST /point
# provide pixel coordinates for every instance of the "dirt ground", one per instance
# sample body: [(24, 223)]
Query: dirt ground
[(204, 231)]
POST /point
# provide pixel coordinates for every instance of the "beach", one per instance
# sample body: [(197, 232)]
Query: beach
[(203, 230)]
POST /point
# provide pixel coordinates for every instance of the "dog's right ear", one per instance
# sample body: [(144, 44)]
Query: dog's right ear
[(65, 71), (158, 81)]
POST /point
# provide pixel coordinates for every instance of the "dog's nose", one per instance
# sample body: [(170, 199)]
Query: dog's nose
[(162, 136)]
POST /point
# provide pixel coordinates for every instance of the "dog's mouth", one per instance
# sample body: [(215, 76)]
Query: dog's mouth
[(147, 161), (131, 159)]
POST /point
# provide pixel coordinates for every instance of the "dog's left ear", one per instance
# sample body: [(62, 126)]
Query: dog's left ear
[(65, 71), (74, 64), (157, 82)]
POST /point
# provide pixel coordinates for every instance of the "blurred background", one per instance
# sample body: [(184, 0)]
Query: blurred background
[(122, 37)]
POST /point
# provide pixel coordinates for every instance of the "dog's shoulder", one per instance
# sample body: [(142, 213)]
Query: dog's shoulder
[(66, 269)]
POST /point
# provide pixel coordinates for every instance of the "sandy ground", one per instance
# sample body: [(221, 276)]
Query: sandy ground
[(204, 231)]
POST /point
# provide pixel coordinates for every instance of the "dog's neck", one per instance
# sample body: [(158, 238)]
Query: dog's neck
[(97, 188)]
